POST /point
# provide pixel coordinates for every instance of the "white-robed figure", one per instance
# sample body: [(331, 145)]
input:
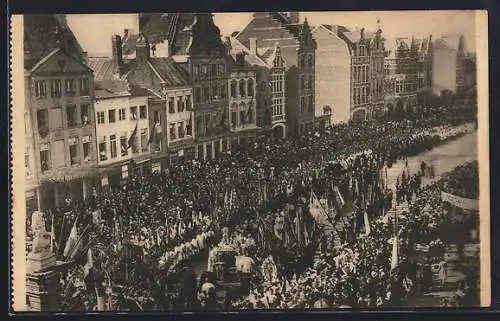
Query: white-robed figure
[(41, 238), (211, 259), (269, 270)]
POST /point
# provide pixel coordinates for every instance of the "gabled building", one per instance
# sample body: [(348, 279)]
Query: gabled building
[(349, 71), (193, 43), (449, 64), (59, 112), (122, 124), (242, 100), (277, 34), (270, 87), (155, 96), (401, 75)]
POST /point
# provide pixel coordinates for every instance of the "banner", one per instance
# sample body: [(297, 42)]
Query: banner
[(465, 203)]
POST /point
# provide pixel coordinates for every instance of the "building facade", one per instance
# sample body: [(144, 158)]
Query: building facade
[(194, 44), (59, 112), (288, 50), (349, 69), (449, 64), (242, 101), (401, 81), (122, 131)]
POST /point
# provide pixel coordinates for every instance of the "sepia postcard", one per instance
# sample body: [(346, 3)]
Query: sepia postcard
[(250, 160)]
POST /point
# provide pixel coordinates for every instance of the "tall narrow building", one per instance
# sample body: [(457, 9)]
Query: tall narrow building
[(59, 109), (272, 34), (449, 64)]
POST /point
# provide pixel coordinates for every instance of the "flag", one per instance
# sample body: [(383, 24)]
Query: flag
[(367, 224), (132, 137), (89, 264), (71, 242), (394, 256), (339, 200), (318, 212), (78, 245)]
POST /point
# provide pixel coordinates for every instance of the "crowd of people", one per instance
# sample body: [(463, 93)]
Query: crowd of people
[(365, 275), (159, 214)]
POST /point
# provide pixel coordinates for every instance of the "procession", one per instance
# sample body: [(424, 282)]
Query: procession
[(307, 225), (179, 163)]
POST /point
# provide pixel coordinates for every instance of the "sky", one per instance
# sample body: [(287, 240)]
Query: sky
[(94, 30)]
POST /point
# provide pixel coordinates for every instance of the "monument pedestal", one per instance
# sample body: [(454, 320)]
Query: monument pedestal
[(42, 282)]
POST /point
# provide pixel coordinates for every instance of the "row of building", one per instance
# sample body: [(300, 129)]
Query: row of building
[(175, 90)]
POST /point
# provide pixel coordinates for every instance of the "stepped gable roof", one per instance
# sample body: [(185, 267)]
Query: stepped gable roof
[(45, 32)]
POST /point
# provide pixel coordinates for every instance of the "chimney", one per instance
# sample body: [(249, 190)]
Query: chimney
[(85, 56), (253, 45), (116, 49), (142, 50), (293, 17)]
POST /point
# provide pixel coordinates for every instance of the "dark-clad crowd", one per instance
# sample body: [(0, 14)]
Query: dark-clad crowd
[(137, 244)]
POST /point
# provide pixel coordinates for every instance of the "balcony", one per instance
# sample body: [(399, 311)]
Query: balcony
[(278, 118)]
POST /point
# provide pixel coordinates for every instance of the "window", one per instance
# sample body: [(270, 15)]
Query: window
[(206, 94), (188, 104), (100, 117), (71, 115), (55, 88), (302, 105), (189, 127), (242, 117), (144, 139), (204, 70), (133, 113), (171, 107), (234, 119), (196, 70), (40, 89), (84, 87), (84, 113), (250, 84), (233, 88), (241, 88), (45, 157), (112, 142), (310, 103), (223, 91), (172, 131), (156, 117), (213, 70), (123, 144), (220, 69), (86, 148), (103, 154), (310, 82), (111, 116), (215, 90), (302, 61), (303, 82), (143, 112), (197, 94), (42, 117), (310, 61), (250, 113), (122, 114), (180, 105), (180, 127), (73, 150), (69, 85), (27, 166)]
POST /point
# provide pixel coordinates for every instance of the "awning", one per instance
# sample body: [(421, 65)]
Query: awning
[(66, 174)]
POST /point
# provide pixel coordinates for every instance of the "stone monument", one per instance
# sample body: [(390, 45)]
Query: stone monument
[(42, 279)]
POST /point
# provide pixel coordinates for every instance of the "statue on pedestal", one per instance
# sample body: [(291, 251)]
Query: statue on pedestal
[(41, 238)]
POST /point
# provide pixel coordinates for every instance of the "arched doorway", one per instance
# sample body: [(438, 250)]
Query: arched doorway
[(278, 132), (359, 115)]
